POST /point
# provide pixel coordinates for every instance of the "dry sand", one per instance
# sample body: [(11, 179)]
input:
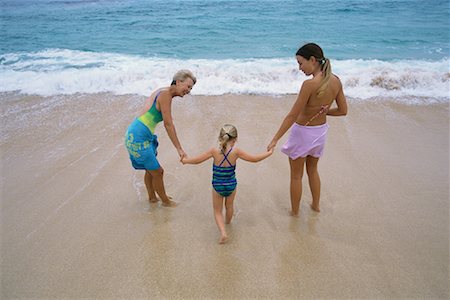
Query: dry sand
[(75, 221)]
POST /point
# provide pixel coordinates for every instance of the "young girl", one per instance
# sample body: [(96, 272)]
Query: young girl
[(308, 120), (224, 179)]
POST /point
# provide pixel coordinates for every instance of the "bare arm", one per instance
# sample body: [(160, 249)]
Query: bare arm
[(290, 118), (165, 103), (253, 157), (199, 158), (341, 102)]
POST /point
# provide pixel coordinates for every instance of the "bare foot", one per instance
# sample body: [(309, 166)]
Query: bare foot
[(153, 200), (169, 203), (294, 214), (314, 208), (223, 239)]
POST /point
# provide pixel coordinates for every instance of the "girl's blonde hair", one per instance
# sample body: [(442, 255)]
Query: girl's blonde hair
[(227, 132), (182, 75), (312, 49)]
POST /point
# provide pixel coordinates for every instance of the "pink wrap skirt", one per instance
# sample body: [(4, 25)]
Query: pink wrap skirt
[(305, 140)]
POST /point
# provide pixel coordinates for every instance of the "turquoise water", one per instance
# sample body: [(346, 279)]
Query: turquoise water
[(133, 46), (214, 29)]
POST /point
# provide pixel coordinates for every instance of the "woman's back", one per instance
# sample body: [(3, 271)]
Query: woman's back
[(316, 103)]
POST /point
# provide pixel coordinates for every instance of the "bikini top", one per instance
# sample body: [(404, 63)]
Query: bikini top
[(322, 109), (152, 117)]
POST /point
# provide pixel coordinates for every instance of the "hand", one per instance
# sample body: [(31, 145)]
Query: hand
[(182, 154), (271, 146), (271, 150)]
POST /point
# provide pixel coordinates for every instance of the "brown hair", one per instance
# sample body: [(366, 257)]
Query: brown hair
[(312, 49)]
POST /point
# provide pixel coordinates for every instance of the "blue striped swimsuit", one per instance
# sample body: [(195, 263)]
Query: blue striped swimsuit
[(224, 178)]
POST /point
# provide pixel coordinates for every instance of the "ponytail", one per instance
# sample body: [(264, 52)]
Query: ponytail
[(227, 133), (223, 140), (326, 74), (312, 49)]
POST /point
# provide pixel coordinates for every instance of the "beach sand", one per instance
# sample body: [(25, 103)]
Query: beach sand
[(76, 223)]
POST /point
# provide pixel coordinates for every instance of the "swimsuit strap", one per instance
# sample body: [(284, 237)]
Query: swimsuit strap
[(154, 101), (322, 109), (225, 157)]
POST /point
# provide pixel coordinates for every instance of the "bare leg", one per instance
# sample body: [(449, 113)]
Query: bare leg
[(217, 206), (314, 181), (158, 186), (148, 183), (229, 207), (296, 183)]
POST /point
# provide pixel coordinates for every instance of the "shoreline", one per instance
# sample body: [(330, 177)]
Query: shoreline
[(388, 99)]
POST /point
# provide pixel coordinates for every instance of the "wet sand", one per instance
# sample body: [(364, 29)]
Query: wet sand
[(76, 223)]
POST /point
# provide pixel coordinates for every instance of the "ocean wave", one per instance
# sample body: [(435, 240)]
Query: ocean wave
[(61, 71)]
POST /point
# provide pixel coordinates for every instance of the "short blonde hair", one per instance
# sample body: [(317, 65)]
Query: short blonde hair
[(182, 75), (227, 132)]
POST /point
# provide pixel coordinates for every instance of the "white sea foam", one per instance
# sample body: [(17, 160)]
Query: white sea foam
[(58, 71)]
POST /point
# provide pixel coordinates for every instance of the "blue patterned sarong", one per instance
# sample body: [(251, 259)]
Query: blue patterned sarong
[(141, 145)]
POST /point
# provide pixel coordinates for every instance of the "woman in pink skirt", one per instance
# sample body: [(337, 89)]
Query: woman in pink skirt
[(307, 121)]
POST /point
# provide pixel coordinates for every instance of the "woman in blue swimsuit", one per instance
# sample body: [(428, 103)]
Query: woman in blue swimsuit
[(141, 141), (224, 178)]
